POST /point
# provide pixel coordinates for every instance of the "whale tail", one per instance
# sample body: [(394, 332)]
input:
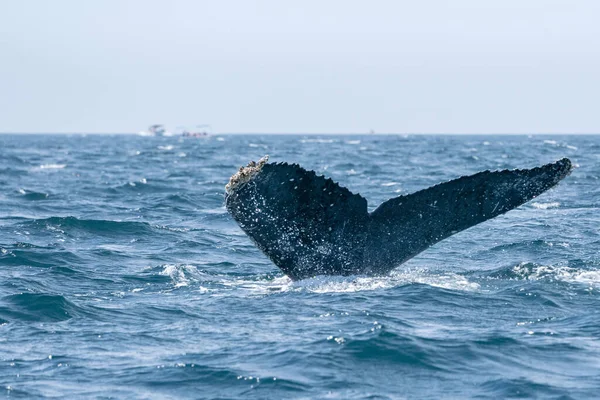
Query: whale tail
[(309, 225)]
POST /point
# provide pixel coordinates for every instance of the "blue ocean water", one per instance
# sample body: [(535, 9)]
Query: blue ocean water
[(123, 276)]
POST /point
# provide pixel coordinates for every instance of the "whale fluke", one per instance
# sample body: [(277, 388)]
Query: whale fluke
[(308, 225)]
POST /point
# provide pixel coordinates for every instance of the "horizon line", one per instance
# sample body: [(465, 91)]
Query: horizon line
[(316, 133)]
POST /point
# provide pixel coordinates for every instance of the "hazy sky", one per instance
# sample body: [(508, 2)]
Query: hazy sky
[(325, 66)]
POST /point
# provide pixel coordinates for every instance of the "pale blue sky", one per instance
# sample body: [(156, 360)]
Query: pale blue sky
[(462, 66)]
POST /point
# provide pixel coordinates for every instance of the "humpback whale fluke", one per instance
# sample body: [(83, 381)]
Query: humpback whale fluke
[(308, 225)]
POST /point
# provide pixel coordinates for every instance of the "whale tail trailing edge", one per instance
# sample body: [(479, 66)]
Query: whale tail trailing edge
[(416, 221), (309, 225)]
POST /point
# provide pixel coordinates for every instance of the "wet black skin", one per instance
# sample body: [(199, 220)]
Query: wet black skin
[(309, 225)]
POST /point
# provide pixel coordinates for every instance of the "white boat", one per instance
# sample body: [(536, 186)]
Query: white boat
[(156, 130)]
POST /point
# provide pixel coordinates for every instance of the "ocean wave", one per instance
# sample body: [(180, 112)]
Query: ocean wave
[(180, 274), (530, 245), (12, 159), (523, 387), (33, 195), (537, 272), (37, 307), (139, 186), (96, 226), (217, 278), (42, 257), (12, 171), (179, 377), (180, 198), (388, 347)]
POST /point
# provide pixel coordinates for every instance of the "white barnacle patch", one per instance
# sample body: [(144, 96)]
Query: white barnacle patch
[(245, 174)]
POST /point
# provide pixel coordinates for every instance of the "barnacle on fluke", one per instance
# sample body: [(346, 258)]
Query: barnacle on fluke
[(309, 225), (245, 173)]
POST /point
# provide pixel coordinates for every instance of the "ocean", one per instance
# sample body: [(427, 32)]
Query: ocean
[(123, 276)]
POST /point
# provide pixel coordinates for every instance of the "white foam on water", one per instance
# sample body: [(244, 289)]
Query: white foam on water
[(349, 284), (256, 145), (342, 284), (261, 287), (560, 273), (52, 166), (115, 247), (317, 141), (179, 273), (217, 211), (185, 275), (544, 206)]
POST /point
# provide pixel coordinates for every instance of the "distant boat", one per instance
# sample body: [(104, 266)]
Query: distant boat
[(200, 131), (156, 130)]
